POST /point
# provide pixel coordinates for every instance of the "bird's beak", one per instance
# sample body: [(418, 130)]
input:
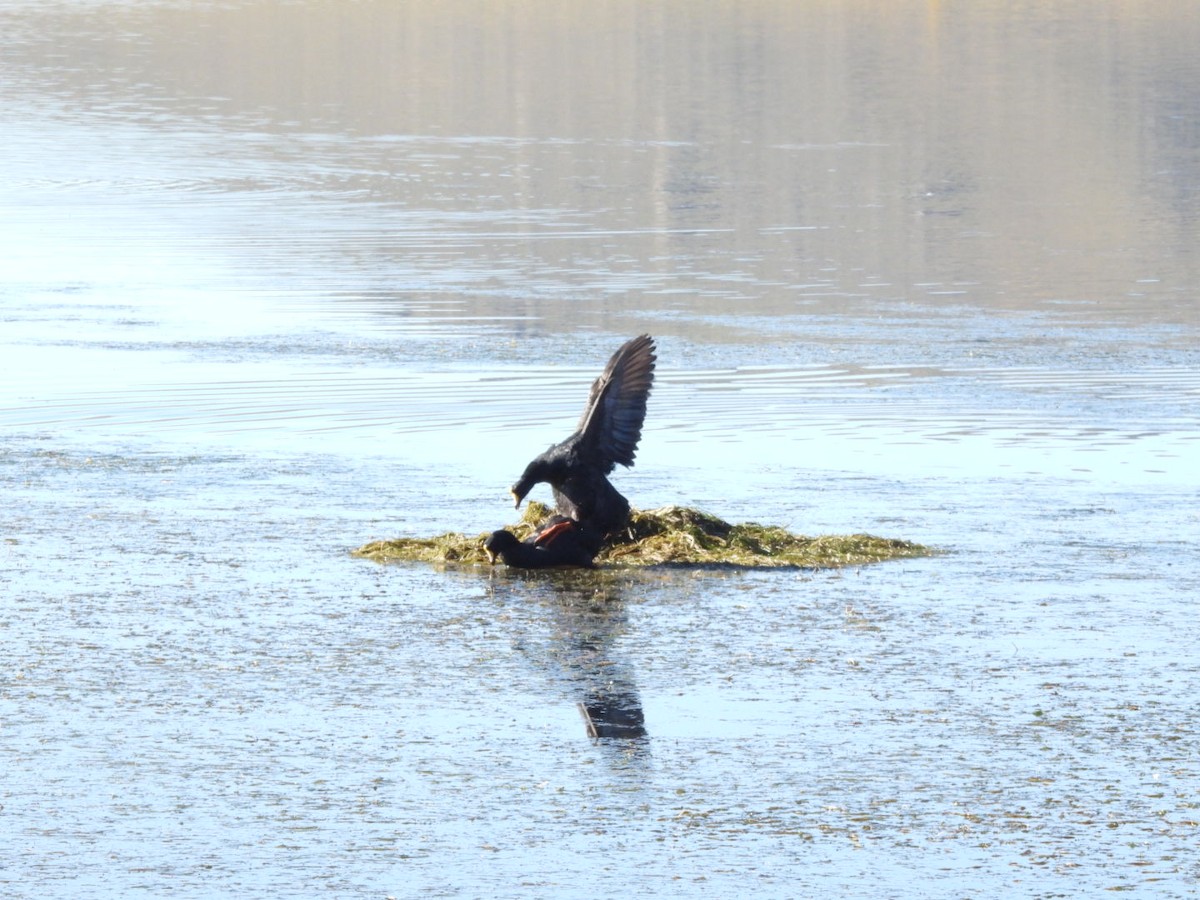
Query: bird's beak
[(517, 497)]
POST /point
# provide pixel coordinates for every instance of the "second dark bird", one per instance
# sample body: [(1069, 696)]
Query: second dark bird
[(560, 542)]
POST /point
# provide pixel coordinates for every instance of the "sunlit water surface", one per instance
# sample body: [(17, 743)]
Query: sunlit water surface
[(282, 279)]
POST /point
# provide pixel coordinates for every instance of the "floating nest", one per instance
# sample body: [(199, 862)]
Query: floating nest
[(672, 535)]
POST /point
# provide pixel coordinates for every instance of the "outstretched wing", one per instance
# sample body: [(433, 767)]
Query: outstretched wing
[(611, 425)]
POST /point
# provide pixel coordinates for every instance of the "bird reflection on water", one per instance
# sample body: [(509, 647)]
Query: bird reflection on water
[(587, 615), (614, 714)]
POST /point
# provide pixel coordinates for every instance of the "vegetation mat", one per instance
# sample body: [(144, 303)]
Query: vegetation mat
[(672, 535)]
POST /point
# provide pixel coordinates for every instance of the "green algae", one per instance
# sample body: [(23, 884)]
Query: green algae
[(674, 536)]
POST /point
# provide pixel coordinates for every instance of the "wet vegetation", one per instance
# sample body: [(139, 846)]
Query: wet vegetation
[(672, 535)]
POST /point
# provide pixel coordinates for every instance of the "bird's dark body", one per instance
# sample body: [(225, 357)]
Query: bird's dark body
[(561, 542), (577, 469), (591, 498)]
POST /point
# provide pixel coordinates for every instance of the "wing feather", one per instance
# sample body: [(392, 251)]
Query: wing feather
[(611, 425)]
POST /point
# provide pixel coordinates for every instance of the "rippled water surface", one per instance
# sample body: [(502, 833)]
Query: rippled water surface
[(280, 279)]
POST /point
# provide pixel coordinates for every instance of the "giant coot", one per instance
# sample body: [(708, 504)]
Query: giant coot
[(577, 469)]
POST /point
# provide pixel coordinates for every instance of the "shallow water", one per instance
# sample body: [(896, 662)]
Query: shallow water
[(282, 279)]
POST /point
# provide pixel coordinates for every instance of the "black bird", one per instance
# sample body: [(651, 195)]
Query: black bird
[(562, 542), (608, 433)]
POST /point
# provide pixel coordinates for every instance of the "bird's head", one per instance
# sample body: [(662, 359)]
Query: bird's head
[(497, 542), (534, 473), (519, 490)]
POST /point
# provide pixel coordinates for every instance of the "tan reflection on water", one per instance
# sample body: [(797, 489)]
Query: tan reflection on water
[(754, 159)]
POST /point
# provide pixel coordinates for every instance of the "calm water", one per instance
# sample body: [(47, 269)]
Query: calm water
[(282, 278)]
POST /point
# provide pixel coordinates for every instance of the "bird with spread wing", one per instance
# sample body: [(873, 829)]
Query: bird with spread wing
[(577, 469)]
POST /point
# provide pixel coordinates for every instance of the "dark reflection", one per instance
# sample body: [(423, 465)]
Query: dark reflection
[(587, 618), (614, 715)]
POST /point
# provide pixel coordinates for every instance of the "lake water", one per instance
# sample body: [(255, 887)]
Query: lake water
[(283, 278)]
